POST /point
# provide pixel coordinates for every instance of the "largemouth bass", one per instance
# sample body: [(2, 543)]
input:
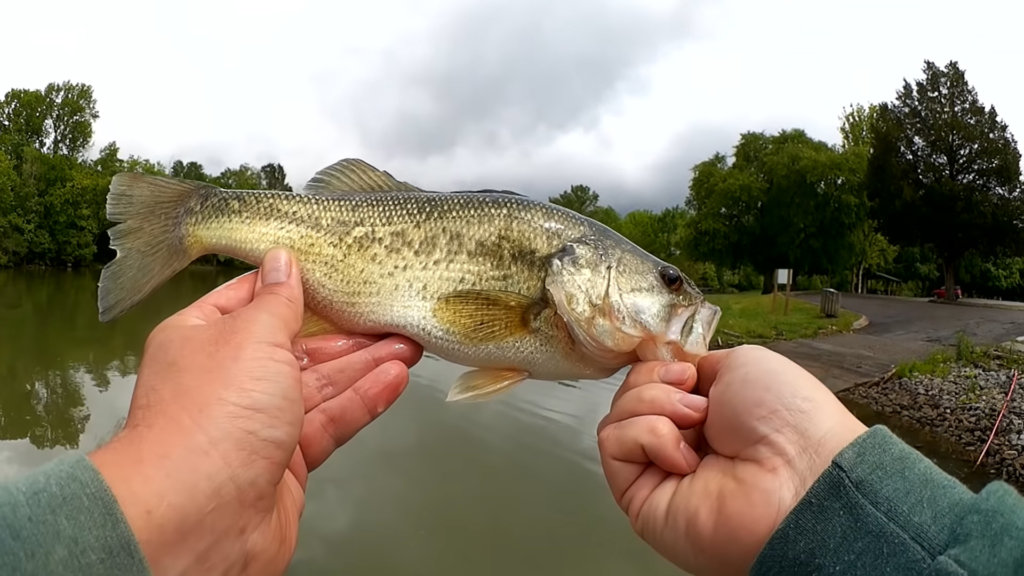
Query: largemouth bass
[(492, 280)]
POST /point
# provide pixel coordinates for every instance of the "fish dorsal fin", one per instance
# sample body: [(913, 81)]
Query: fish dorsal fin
[(489, 191), (352, 175)]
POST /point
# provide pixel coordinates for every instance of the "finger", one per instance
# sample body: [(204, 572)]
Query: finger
[(683, 375), (298, 467), (326, 381), (278, 300), (708, 367), (685, 410), (694, 438), (333, 423), (224, 299), (628, 447), (315, 350)]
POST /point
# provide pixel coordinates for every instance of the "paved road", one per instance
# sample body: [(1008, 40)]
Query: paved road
[(900, 329)]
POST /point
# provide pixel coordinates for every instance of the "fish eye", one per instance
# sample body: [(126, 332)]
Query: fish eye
[(672, 278)]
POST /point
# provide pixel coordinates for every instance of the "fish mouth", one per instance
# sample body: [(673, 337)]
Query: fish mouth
[(695, 335)]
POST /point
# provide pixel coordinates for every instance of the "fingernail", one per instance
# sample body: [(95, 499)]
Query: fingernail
[(691, 457), (277, 267), (675, 373), (693, 402)]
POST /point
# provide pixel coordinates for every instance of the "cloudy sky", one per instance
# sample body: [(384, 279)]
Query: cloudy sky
[(623, 95)]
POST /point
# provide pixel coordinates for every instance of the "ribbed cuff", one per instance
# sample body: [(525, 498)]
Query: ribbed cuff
[(63, 519), (881, 507)]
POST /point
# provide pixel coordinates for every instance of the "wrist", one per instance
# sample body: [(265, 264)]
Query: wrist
[(838, 433), (174, 517)]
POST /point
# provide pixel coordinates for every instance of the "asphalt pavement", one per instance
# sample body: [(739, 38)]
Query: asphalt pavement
[(899, 329)]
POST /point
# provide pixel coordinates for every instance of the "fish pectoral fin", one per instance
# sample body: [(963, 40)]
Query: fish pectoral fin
[(485, 383), (483, 316), (314, 325), (352, 175)]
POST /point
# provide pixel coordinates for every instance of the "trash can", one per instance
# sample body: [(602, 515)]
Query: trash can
[(831, 302)]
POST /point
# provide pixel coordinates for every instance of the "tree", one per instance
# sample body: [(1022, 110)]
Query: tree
[(190, 171), (944, 170), (785, 201), (872, 251), (273, 177), (856, 127), (70, 116), (660, 233), (578, 198), (109, 161), (581, 199), (56, 120), (23, 122), (245, 177)]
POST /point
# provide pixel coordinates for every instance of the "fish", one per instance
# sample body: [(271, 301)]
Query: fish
[(509, 287)]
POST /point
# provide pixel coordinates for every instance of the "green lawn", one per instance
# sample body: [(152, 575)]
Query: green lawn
[(747, 318)]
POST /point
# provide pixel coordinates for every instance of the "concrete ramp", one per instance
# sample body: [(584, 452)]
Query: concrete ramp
[(844, 360)]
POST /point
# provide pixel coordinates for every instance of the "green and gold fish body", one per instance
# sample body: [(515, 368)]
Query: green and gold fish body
[(493, 280)]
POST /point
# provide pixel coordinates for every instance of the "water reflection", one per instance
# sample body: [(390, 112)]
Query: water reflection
[(509, 486), (51, 343)]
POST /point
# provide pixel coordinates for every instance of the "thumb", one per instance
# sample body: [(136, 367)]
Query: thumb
[(277, 304)]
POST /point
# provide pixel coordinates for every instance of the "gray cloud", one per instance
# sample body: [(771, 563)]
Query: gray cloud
[(664, 180), (510, 73), (668, 180)]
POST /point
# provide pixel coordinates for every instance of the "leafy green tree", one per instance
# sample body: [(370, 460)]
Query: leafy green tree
[(785, 201), (245, 177), (944, 170), (9, 238), (581, 199), (660, 233), (23, 122), (190, 171), (144, 165), (273, 177), (855, 130), (108, 161), (71, 111), (578, 198), (872, 251)]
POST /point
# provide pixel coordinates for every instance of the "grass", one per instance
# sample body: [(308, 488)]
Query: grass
[(747, 318), (937, 364), (964, 353)]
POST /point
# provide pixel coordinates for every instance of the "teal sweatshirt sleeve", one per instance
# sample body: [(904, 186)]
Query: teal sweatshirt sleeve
[(883, 508), (63, 519)]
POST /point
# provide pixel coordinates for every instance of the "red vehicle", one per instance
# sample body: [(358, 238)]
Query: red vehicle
[(940, 294)]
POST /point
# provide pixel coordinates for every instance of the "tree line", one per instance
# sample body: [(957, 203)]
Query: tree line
[(924, 189), (53, 196), (920, 192)]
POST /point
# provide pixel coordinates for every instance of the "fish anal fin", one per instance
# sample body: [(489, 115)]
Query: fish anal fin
[(485, 316), (353, 175), (315, 325), (485, 383)]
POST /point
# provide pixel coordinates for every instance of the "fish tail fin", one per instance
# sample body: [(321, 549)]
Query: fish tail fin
[(151, 239)]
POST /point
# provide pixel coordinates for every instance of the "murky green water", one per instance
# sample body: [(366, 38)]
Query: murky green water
[(510, 486)]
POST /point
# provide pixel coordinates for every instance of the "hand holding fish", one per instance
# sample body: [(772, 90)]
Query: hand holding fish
[(706, 484), (229, 416)]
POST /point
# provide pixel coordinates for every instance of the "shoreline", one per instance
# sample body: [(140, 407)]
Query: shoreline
[(949, 415)]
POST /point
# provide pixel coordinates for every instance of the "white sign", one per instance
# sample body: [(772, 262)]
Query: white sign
[(782, 276)]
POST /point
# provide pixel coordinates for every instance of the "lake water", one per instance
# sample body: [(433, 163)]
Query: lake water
[(509, 486)]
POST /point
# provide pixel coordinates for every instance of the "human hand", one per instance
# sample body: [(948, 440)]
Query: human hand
[(229, 416), (706, 482)]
